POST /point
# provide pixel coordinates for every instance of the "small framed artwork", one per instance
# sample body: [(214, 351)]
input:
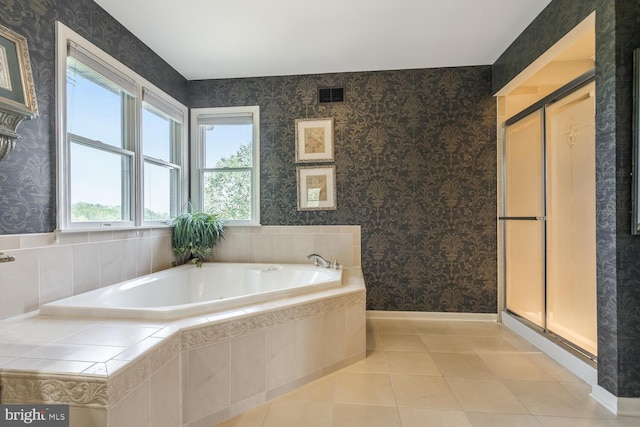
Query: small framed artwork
[(316, 188), (314, 140)]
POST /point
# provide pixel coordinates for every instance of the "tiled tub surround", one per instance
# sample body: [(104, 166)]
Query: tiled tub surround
[(192, 372), (51, 266), (291, 244), (196, 371)]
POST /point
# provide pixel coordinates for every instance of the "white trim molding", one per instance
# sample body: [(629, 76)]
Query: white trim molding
[(623, 406), (423, 315)]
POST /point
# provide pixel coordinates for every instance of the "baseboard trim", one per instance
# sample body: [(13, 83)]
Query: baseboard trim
[(424, 315), (624, 406), (577, 366)]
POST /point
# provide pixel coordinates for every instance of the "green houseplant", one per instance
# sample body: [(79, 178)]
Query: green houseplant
[(195, 234)]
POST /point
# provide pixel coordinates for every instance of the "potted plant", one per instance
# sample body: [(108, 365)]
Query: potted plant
[(195, 235)]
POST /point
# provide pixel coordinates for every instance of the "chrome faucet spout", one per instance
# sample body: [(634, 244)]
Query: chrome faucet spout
[(6, 258), (317, 260)]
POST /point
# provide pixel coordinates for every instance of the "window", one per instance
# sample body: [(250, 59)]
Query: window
[(225, 166), (120, 143), (161, 139)]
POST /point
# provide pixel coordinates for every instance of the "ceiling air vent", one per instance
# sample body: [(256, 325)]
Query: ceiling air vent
[(330, 94)]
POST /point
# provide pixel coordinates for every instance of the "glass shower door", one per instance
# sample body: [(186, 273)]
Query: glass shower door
[(571, 222), (549, 217), (523, 218)]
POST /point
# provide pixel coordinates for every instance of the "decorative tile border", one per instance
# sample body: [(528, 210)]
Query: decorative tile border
[(25, 387), (209, 334)]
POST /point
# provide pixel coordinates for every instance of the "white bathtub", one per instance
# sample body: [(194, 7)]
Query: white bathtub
[(188, 290)]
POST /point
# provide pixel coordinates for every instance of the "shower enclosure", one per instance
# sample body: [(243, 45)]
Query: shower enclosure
[(549, 218)]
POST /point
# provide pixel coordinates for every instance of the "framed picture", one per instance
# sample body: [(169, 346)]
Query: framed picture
[(316, 188), (16, 81), (314, 140)]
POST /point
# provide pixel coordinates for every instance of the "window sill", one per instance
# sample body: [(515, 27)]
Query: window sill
[(112, 229)]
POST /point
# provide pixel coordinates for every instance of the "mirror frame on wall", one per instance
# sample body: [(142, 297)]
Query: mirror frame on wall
[(635, 192), (17, 91)]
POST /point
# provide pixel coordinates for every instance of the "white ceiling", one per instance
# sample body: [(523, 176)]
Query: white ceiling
[(208, 39)]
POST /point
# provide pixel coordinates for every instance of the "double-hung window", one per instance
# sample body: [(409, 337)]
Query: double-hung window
[(225, 163), (162, 133), (100, 111), (121, 143)]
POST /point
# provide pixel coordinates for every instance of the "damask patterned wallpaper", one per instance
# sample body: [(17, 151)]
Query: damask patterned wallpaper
[(415, 155), (416, 168), (618, 252), (27, 176)]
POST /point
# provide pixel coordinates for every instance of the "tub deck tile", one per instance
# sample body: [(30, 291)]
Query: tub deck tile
[(97, 363)]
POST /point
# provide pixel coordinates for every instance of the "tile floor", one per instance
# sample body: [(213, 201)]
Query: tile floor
[(444, 374)]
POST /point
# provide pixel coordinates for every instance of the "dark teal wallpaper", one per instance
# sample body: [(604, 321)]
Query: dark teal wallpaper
[(618, 252), (27, 176), (416, 168)]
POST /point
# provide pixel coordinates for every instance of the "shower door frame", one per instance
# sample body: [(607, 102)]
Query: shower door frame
[(539, 106)]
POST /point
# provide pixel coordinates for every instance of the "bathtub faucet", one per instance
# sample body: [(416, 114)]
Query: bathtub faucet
[(9, 258), (317, 259)]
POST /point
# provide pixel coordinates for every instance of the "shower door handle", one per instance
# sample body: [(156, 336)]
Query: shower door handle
[(523, 218)]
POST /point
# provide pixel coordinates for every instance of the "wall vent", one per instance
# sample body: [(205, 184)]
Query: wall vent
[(330, 94)]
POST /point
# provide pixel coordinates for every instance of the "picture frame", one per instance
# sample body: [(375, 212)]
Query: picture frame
[(314, 140), (16, 81), (17, 91), (317, 188)]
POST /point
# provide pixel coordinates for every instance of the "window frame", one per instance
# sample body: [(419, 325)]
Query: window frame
[(198, 158), (178, 151), (135, 177)]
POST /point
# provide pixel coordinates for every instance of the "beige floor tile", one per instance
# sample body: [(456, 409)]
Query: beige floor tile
[(553, 399), (320, 390), (421, 417), (581, 390), (490, 344), (427, 373), (365, 416), (462, 365), (401, 342), (364, 389), (553, 368), (478, 328), (625, 422), (407, 362), (520, 343), (446, 344), (574, 422), (423, 391), (375, 362), (296, 413), (433, 327), (514, 366), (485, 395), (395, 326), (252, 418), (483, 419)]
